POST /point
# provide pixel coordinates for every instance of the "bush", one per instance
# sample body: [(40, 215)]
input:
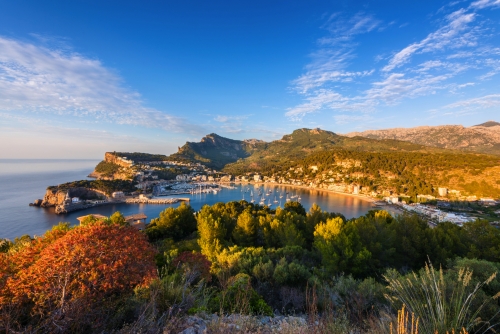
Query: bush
[(441, 305)]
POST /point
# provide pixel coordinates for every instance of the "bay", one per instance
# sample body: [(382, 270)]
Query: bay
[(23, 181)]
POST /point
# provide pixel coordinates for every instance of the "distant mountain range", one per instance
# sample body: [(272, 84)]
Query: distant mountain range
[(217, 152), (481, 138)]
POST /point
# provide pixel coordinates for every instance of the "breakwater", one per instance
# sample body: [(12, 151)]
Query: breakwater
[(169, 200)]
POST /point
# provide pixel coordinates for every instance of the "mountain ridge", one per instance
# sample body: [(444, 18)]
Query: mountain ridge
[(481, 138)]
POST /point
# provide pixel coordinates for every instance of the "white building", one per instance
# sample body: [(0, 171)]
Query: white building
[(257, 178), (443, 191), (355, 189), (118, 194)]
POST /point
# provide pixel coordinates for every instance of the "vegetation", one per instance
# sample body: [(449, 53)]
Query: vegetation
[(141, 157), (72, 277), (213, 151), (240, 258), (107, 168), (107, 186)]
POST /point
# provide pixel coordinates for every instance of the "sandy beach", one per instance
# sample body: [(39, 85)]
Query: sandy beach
[(361, 197)]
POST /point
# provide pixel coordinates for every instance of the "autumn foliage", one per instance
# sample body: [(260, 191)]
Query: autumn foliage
[(72, 272)]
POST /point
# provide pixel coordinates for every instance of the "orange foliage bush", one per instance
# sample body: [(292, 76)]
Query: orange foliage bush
[(75, 270)]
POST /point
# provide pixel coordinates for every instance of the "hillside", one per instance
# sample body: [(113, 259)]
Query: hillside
[(280, 154), (482, 138), (216, 151)]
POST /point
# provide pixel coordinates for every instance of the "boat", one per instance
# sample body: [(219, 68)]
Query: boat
[(275, 201)]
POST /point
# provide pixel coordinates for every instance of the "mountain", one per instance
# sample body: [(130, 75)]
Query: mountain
[(216, 151), (301, 143), (482, 138), (489, 124)]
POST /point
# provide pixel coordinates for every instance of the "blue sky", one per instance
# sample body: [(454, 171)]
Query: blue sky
[(78, 78)]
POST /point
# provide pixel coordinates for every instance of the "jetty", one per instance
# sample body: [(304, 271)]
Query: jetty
[(145, 200)]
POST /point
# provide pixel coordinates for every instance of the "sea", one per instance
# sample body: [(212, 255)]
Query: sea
[(22, 181)]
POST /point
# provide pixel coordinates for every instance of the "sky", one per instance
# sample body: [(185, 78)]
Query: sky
[(79, 78)]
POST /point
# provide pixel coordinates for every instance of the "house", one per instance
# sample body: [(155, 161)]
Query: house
[(118, 194), (443, 191), (138, 220), (257, 178), (75, 200)]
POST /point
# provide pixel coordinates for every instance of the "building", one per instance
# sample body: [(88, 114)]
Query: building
[(443, 192), (355, 189), (75, 200), (487, 201), (257, 178), (392, 199), (118, 194), (138, 220)]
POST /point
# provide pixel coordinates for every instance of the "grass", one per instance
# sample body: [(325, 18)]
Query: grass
[(439, 305)]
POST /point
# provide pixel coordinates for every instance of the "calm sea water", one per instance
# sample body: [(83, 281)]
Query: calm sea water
[(23, 181)]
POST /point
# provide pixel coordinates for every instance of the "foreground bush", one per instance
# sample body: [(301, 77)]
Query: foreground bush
[(67, 280), (441, 304)]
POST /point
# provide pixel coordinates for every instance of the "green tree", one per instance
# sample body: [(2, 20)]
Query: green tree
[(117, 218), (211, 231), (176, 223), (245, 233), (295, 207), (340, 247)]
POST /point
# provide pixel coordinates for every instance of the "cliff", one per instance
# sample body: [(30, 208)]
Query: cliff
[(58, 197), (113, 167)]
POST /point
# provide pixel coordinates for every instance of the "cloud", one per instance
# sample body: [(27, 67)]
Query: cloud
[(485, 3), (335, 52), (483, 102), (315, 103), (450, 34), (36, 78), (454, 56)]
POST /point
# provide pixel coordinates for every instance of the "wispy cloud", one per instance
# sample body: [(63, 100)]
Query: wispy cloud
[(329, 62), (483, 102), (485, 3), (37, 78), (450, 34), (451, 58)]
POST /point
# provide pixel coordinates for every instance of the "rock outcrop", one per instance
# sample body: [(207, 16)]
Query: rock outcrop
[(56, 197)]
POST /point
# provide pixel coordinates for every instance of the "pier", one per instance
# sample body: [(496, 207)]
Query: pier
[(170, 200)]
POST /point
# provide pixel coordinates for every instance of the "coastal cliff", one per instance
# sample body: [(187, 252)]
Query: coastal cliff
[(55, 197), (113, 167)]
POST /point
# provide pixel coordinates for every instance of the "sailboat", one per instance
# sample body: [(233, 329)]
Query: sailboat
[(269, 204), (251, 196), (275, 201)]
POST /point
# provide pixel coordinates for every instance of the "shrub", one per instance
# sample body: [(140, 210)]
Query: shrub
[(441, 305)]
